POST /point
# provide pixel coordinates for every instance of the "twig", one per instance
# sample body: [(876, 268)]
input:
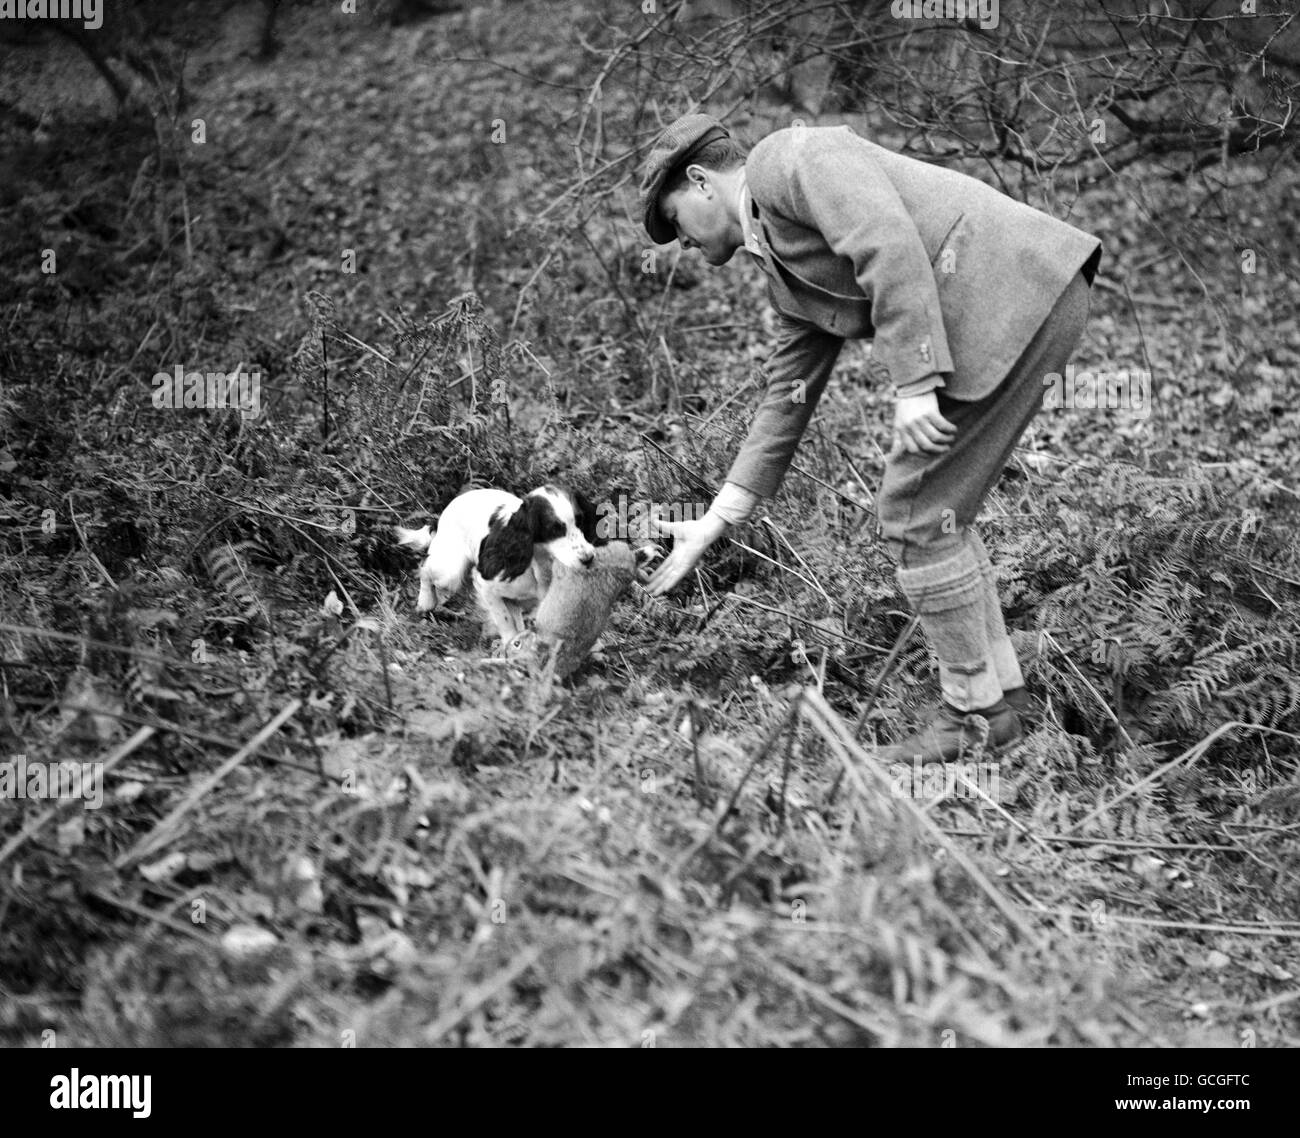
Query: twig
[(1192, 753), (833, 727), (873, 694), (161, 832), (1154, 922), (827, 486), (779, 534), (478, 996), (786, 721), (172, 923), (807, 620), (774, 563), (819, 995), (695, 753), (109, 762), (1124, 843), (1095, 693), (1274, 1001), (844, 453), (158, 723), (69, 638), (76, 525), (523, 290)]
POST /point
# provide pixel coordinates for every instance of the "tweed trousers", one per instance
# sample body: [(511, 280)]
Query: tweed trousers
[(927, 507), (926, 501)]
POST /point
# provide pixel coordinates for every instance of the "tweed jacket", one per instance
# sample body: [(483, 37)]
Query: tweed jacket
[(944, 273)]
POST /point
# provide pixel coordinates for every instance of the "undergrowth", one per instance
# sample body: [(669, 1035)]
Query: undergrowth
[(688, 843)]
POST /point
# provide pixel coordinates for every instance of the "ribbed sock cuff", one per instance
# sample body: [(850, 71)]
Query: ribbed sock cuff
[(944, 585), (948, 596), (1003, 651)]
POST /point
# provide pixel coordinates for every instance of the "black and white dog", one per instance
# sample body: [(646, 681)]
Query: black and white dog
[(508, 543)]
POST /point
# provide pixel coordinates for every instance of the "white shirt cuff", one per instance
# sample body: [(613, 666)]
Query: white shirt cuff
[(734, 503)]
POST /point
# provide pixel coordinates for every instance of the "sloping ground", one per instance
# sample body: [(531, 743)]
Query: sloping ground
[(434, 848)]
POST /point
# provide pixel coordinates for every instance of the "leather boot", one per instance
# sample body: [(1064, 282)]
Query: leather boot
[(1019, 698), (958, 736)]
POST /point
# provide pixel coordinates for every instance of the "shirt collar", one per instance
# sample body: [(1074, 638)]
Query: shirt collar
[(744, 206)]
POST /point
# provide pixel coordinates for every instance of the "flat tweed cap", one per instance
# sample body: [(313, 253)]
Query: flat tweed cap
[(677, 143)]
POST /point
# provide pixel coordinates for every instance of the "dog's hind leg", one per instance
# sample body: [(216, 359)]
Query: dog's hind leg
[(428, 600), (441, 574)]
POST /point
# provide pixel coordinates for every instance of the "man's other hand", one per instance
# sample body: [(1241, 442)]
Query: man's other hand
[(919, 428)]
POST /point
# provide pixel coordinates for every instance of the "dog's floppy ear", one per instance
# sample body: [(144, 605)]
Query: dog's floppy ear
[(584, 514), (507, 550)]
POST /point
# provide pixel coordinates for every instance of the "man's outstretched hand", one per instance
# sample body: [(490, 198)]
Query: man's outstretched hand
[(919, 427), (690, 540)]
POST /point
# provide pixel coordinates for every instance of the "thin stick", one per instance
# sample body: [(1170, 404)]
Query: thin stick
[(1274, 1001), (825, 716), (138, 653), (151, 915), (695, 751), (830, 1003), (786, 721), (827, 486), (1192, 753), (775, 564), (523, 291), (1154, 922), (881, 676), (76, 525), (890, 661), (35, 827), (1095, 693), (478, 996), (1124, 843), (161, 832)]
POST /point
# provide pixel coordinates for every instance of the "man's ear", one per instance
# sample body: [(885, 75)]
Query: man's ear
[(699, 176)]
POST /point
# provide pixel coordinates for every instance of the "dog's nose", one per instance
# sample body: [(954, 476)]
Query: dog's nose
[(588, 557)]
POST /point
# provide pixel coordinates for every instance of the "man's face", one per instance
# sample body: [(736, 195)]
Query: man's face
[(701, 216)]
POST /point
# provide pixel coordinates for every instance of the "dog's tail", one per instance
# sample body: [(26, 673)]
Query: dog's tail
[(419, 539)]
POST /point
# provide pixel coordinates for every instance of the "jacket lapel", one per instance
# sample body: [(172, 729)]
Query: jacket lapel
[(841, 314)]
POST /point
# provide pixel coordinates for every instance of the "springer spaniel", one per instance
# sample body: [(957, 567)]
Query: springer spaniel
[(508, 542)]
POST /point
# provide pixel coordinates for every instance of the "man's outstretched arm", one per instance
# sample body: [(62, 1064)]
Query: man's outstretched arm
[(798, 371)]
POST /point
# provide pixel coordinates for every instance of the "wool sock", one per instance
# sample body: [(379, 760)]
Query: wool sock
[(949, 597), (1003, 651)]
